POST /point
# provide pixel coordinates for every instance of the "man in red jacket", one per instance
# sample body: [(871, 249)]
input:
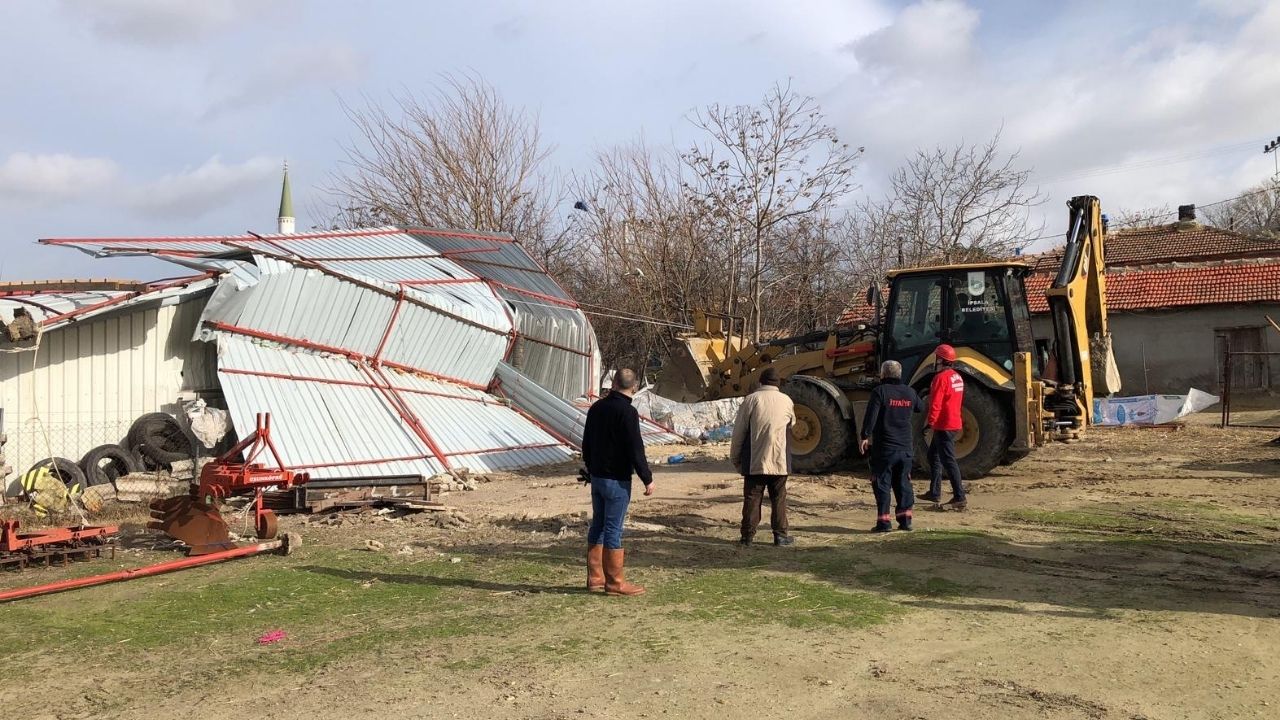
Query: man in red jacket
[(945, 397)]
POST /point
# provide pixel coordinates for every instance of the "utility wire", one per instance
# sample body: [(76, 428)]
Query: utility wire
[(1160, 161)]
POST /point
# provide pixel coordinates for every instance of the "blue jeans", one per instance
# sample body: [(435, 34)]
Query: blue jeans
[(609, 501)]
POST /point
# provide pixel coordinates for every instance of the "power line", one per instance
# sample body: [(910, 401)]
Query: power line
[(1160, 161)]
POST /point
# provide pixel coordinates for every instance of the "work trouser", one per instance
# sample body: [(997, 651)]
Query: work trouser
[(942, 457), (753, 489), (609, 501), (892, 480)]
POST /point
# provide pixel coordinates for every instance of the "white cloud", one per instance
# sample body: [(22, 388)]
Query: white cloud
[(1076, 115), (194, 192), (929, 35), (158, 22), (280, 72), (54, 177)]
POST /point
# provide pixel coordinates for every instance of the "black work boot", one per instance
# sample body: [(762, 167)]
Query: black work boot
[(956, 503), (904, 525), (783, 540), (745, 541), (882, 528), (929, 497)]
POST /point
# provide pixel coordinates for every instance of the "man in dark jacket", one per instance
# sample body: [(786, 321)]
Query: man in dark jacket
[(887, 434), (612, 449)]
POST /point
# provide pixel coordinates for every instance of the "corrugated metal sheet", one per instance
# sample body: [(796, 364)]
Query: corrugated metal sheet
[(86, 304), (441, 302), (89, 380), (565, 419), (310, 306), (555, 347), (498, 258), (327, 411), (457, 271)]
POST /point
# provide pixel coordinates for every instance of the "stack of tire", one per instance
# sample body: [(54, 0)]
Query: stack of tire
[(155, 441)]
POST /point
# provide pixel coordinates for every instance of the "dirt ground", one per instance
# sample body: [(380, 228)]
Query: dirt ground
[(1134, 574)]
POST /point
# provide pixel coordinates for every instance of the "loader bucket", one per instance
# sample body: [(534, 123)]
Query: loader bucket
[(689, 365), (199, 526)]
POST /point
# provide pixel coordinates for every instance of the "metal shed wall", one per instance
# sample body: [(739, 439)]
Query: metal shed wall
[(90, 380)]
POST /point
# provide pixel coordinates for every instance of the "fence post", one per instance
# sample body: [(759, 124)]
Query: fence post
[(1226, 382)]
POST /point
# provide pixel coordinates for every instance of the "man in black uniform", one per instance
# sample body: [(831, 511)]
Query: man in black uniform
[(886, 432)]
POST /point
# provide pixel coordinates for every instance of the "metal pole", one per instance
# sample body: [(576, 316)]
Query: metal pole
[(1226, 381), (283, 545), (1146, 383)]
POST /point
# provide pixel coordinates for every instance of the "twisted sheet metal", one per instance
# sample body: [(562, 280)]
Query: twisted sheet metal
[(564, 419), (335, 417)]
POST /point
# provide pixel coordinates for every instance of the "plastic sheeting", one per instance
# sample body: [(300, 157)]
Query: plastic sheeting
[(705, 421), (1149, 409)]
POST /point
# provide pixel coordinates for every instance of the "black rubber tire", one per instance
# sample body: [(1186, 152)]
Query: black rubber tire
[(65, 470), (993, 441), (107, 463), (159, 438), (836, 441)]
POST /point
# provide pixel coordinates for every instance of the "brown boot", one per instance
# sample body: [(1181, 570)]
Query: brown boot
[(595, 568), (615, 581)]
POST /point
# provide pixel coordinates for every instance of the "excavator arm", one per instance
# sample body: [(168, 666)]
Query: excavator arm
[(1077, 300)]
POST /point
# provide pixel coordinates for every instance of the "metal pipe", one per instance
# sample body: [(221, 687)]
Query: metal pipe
[(147, 571)]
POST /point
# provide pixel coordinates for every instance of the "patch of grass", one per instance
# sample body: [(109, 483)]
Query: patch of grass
[(1216, 514), (742, 596), (1091, 520), (905, 583), (1165, 518), (478, 662)]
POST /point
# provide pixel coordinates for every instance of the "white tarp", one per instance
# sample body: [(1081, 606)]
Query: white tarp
[(706, 421), (1149, 409)]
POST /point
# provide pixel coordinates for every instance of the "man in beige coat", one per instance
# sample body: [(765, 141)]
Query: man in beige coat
[(761, 453)]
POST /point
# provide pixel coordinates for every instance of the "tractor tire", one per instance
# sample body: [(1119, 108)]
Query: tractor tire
[(985, 438), (821, 437), (107, 463), (159, 438), (65, 470)]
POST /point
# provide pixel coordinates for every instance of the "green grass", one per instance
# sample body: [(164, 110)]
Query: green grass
[(1167, 518), (752, 597), (337, 606), (1091, 520)]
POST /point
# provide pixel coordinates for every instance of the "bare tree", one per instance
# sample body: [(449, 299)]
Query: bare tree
[(948, 205), (460, 158), (1255, 212), (762, 166)]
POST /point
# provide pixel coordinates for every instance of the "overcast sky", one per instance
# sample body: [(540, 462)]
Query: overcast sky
[(172, 117)]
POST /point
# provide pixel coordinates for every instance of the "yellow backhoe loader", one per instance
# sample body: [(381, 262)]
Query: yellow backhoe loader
[(1018, 394)]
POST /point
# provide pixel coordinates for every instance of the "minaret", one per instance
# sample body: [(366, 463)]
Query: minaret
[(284, 223)]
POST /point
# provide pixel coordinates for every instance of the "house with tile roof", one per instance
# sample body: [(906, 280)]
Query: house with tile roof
[(1177, 296)]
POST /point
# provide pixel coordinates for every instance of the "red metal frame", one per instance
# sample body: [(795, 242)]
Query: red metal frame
[(127, 296), (391, 324), (285, 339), (12, 541), (406, 413), (351, 383), (327, 234)]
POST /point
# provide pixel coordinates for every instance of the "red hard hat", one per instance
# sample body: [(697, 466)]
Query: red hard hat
[(946, 353)]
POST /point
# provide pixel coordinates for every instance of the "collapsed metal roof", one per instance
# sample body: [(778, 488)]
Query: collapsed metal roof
[(377, 350)]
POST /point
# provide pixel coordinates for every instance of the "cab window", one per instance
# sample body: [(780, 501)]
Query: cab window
[(979, 313), (917, 318)]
